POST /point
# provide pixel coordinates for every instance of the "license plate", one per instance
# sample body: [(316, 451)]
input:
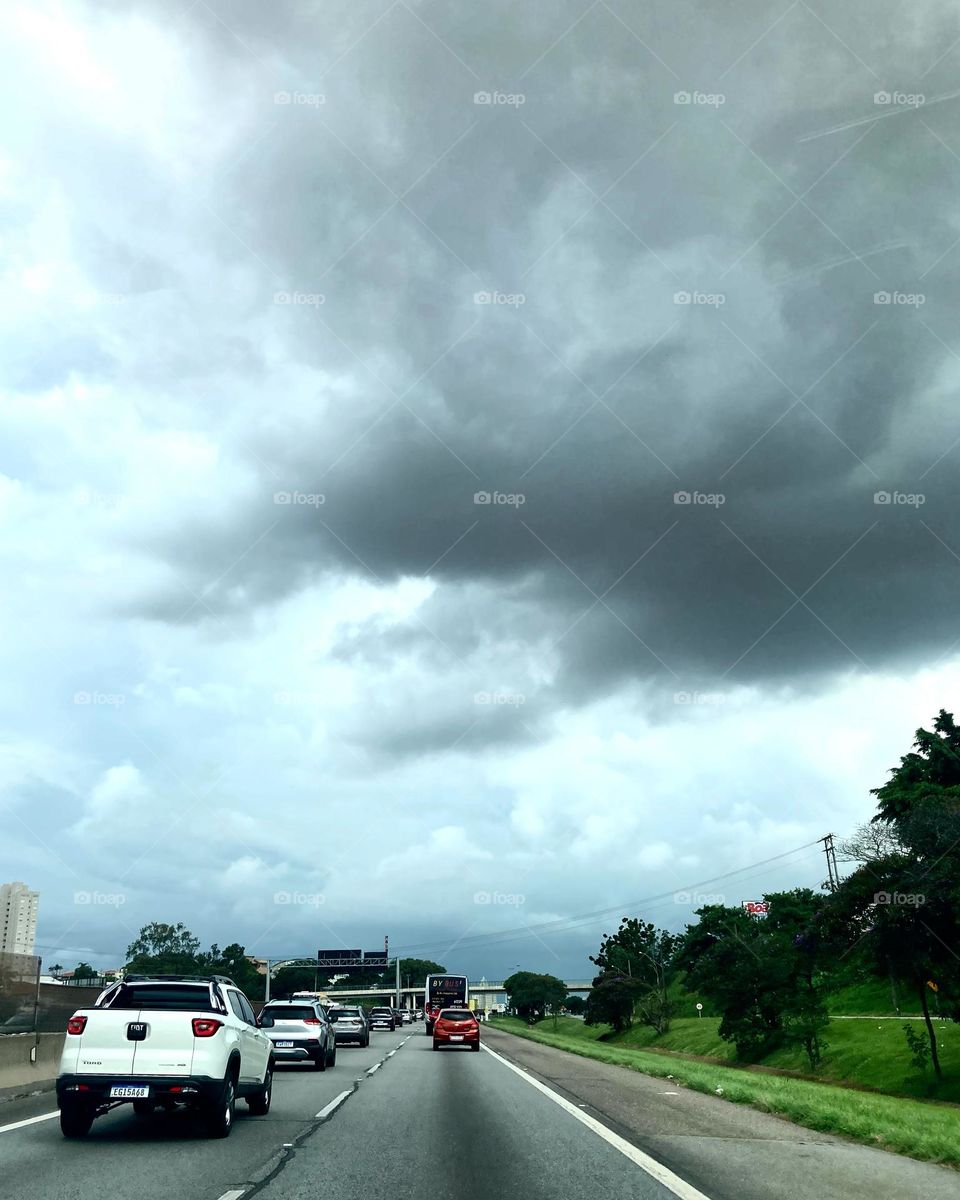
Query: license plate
[(456, 1037), (127, 1092), (283, 1045)]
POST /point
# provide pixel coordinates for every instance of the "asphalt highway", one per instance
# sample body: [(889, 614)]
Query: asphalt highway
[(396, 1121)]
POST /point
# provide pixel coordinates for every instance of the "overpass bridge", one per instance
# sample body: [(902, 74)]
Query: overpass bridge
[(411, 997)]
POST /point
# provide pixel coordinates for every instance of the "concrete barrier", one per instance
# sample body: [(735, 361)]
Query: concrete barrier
[(18, 1075)]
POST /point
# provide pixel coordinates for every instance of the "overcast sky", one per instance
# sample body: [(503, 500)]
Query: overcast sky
[(466, 465)]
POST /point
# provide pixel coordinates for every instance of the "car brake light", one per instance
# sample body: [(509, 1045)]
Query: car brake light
[(205, 1026), (311, 1020), (76, 1024)]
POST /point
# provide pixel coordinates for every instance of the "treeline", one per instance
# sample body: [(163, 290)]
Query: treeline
[(895, 917)]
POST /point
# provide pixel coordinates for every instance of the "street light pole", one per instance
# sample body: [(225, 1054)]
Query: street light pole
[(398, 983)]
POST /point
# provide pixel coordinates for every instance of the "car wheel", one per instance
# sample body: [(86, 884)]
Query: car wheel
[(476, 1047), (220, 1113), (144, 1108), (333, 1056), (320, 1061), (436, 1045), (259, 1102), (76, 1117)]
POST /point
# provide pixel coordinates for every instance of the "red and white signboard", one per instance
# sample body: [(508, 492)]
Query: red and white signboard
[(756, 908)]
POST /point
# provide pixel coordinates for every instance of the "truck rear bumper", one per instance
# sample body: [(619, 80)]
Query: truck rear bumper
[(177, 1088)]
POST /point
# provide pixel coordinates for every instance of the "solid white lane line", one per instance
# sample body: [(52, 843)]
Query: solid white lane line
[(332, 1106), (663, 1175), (28, 1121)]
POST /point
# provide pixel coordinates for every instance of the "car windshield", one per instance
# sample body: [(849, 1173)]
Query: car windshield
[(175, 997), (291, 1012)]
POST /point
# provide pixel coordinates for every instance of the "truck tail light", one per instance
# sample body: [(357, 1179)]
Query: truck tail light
[(76, 1025), (205, 1026)]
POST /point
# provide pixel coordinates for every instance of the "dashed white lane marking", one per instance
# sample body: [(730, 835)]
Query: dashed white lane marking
[(663, 1175), (332, 1106), (375, 1067), (234, 1194), (28, 1121)]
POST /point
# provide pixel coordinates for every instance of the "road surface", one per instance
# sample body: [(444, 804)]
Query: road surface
[(396, 1120)]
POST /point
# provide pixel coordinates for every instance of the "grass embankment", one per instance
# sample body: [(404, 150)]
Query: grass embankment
[(870, 1054)]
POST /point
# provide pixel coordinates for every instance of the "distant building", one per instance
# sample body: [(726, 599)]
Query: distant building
[(18, 918)]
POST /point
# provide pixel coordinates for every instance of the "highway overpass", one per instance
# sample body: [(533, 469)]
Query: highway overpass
[(486, 989)]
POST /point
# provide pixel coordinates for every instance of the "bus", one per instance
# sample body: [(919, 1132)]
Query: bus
[(443, 991)]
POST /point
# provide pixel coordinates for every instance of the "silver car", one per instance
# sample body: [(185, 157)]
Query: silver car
[(350, 1025), (300, 1032)]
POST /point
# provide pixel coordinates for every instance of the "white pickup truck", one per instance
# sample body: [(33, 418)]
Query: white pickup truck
[(162, 1041)]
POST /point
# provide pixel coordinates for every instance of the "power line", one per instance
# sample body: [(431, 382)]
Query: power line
[(565, 923)]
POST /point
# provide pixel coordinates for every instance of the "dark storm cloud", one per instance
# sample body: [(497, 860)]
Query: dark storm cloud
[(599, 397)]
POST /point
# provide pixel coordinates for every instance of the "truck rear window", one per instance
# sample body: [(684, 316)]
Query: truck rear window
[(173, 997)]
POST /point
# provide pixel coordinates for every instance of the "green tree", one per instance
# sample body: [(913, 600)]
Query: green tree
[(576, 1005), (644, 958), (900, 910), (83, 970), (533, 995), (232, 962), (164, 950), (611, 1001), (288, 980)]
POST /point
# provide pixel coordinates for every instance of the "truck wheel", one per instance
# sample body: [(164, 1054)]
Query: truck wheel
[(76, 1117), (259, 1102), (219, 1115)]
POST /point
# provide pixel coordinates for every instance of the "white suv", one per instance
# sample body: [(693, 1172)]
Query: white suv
[(160, 1041)]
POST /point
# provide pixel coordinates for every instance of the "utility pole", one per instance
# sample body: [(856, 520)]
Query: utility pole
[(398, 983), (833, 873)]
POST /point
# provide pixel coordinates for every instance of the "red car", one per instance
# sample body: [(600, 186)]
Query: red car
[(456, 1027)]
